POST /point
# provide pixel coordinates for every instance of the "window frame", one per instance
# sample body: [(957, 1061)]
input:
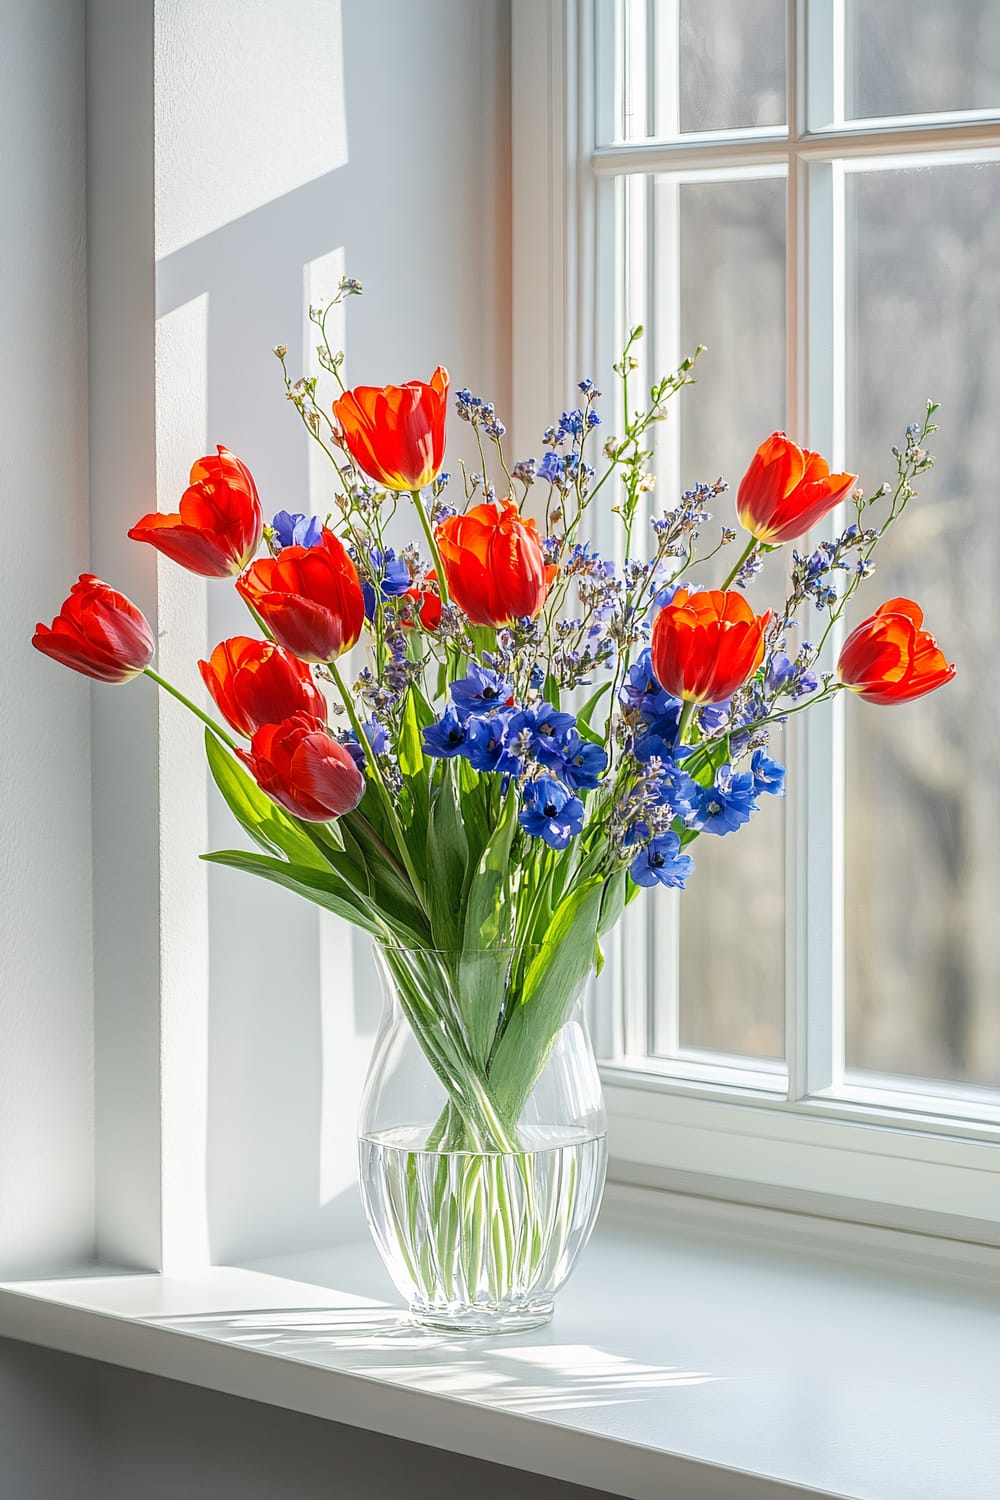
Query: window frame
[(884, 1150)]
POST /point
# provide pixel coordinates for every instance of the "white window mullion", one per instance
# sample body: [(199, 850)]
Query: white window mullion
[(816, 1045), (824, 27)]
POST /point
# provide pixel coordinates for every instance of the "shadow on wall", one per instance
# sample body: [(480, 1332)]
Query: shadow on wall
[(293, 999)]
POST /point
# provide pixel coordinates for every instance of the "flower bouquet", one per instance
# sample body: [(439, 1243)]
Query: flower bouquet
[(528, 734)]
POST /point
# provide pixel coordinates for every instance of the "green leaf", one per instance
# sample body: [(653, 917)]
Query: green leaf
[(612, 907), (326, 890), (447, 862), (554, 979), (274, 830), (613, 903), (482, 975), (410, 749), (485, 919), (551, 690), (584, 721)]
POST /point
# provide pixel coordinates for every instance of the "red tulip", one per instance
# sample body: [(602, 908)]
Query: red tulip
[(304, 769), (396, 434), (98, 632), (427, 602), (706, 645), (787, 490), (309, 598), (890, 658), (256, 682), (494, 565), (219, 525)]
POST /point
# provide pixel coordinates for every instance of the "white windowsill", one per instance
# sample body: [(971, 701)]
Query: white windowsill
[(700, 1351)]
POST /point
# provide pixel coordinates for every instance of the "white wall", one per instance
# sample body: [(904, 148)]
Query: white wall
[(372, 139), (46, 1031)]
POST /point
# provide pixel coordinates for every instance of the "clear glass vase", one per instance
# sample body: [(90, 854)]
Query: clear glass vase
[(482, 1139)]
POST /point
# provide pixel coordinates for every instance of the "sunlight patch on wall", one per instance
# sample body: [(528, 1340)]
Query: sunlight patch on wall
[(321, 277), (239, 121)]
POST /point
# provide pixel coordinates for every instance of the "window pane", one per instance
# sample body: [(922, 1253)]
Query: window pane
[(923, 852), (709, 267), (700, 65), (910, 57)]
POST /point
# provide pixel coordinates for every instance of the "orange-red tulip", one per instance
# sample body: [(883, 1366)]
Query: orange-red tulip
[(304, 769), (706, 645), (494, 565), (219, 524), (396, 433), (309, 598), (98, 632), (256, 682), (427, 602), (890, 658), (787, 490)]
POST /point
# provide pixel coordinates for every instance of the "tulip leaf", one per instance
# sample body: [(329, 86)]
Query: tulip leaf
[(410, 748), (326, 890), (274, 830), (485, 959), (584, 722), (612, 907), (555, 977), (447, 861)]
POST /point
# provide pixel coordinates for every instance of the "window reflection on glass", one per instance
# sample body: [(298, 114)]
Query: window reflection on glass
[(700, 65), (923, 837), (713, 271), (911, 57)]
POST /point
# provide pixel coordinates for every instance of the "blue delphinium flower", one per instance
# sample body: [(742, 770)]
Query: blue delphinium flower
[(582, 762), (550, 468), (548, 727), (297, 530), (768, 775), (725, 805), (662, 863), (550, 812), (791, 677), (377, 736), (486, 744), (479, 691), (392, 576), (659, 710), (447, 737), (674, 788), (712, 716)]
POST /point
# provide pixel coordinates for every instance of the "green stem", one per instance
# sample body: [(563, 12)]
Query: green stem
[(375, 772), (684, 720), (425, 522), (216, 729), (751, 544)]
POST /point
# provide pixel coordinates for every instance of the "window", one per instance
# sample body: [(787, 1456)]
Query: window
[(795, 186)]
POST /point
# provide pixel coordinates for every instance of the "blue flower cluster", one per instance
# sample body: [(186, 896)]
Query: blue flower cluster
[(297, 530), (479, 413), (535, 744), (668, 793), (812, 574), (388, 573), (561, 470), (572, 424), (375, 733)]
